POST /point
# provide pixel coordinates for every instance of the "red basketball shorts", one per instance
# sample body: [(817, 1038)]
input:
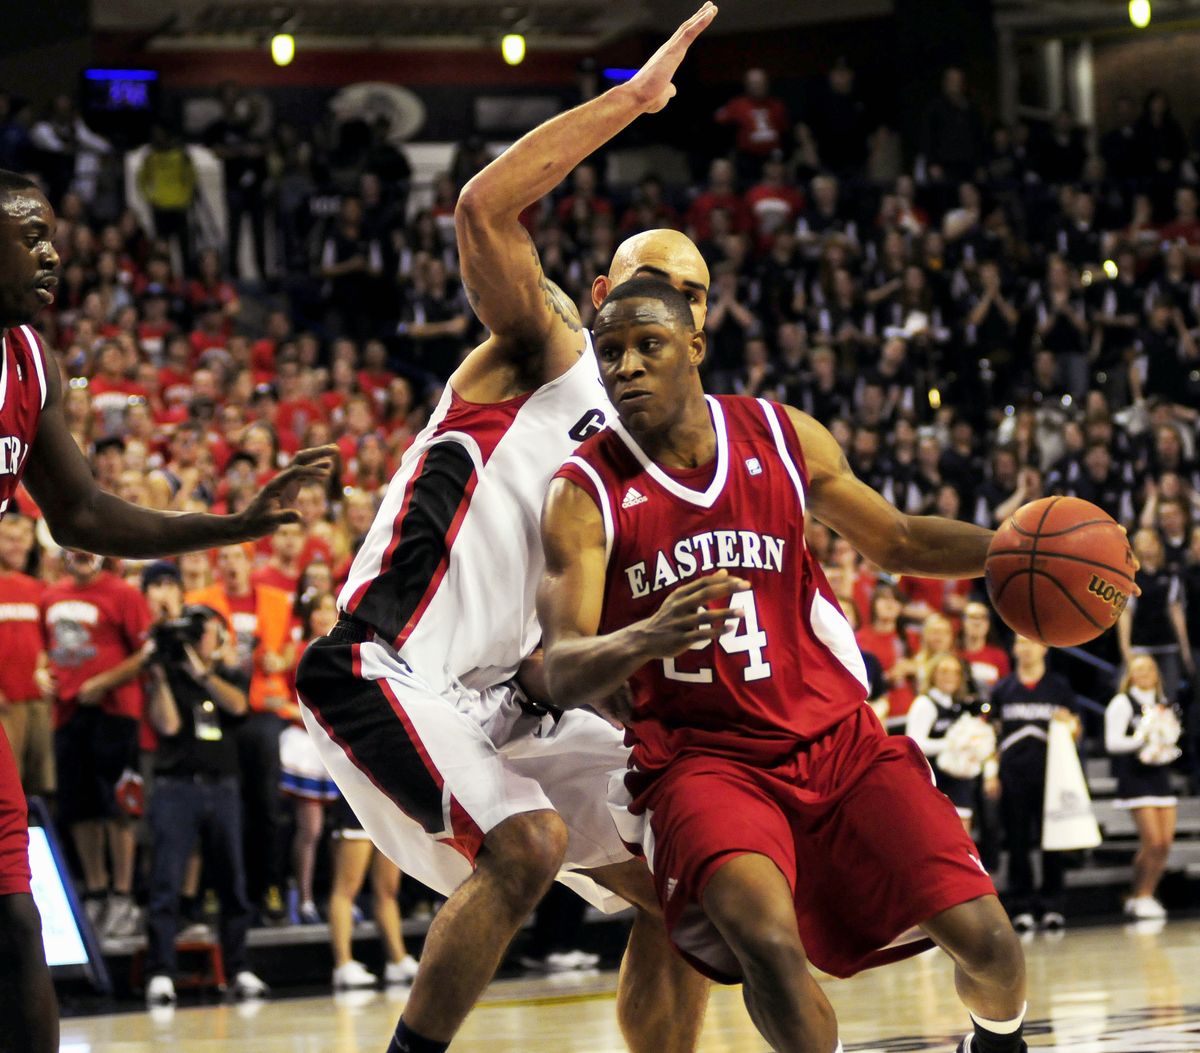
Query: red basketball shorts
[(14, 826), (868, 845)]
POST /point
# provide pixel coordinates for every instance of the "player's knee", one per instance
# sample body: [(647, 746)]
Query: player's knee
[(994, 954), (528, 850), (773, 956)]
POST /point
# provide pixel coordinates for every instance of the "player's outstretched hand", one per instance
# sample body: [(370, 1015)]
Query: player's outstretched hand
[(271, 507), (653, 81), (684, 620)]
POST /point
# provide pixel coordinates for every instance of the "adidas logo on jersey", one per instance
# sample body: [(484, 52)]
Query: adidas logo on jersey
[(632, 497)]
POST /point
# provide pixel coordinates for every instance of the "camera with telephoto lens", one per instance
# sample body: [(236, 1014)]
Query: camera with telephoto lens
[(172, 636)]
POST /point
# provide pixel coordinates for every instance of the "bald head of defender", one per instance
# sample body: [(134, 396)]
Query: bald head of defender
[(665, 254)]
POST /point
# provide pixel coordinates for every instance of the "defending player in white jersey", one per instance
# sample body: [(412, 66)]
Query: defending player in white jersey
[(415, 699)]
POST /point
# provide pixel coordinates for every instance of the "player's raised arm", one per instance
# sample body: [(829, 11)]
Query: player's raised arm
[(580, 666), (930, 546), (81, 515), (526, 312)]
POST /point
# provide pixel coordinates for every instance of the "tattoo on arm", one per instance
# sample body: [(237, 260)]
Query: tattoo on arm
[(557, 300)]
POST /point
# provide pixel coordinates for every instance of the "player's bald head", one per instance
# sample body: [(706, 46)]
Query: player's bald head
[(653, 248), (667, 255)]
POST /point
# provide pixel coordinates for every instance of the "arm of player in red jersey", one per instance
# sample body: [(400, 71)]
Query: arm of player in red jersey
[(81, 515), (582, 667), (534, 325), (930, 546)]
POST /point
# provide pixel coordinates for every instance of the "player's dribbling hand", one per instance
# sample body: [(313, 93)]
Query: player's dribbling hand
[(270, 508), (684, 619), (652, 82)]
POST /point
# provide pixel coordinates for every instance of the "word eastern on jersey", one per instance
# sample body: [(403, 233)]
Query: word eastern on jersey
[(716, 549)]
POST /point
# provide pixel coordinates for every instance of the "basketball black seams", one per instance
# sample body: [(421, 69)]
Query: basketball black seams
[(1054, 533), (1064, 555), (1037, 621)]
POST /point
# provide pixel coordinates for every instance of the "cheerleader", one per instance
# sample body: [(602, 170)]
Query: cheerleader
[(1140, 732), (957, 742)]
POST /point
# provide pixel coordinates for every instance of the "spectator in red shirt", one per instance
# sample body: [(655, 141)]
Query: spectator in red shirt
[(368, 469), (282, 570), (374, 377), (210, 331), (774, 205), (297, 408), (721, 194), (155, 326), (175, 376), (359, 420), (988, 662), (25, 714), (883, 639), (343, 386), (761, 121), (95, 626), (111, 387), (108, 461), (1185, 227), (649, 210), (209, 287), (262, 353)]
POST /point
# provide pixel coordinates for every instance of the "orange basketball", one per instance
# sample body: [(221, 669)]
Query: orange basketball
[(1060, 571)]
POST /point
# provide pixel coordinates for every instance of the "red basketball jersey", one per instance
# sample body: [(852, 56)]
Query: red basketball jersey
[(22, 396), (790, 669)]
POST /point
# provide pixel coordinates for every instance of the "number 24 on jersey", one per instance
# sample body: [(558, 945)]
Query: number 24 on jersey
[(745, 637)]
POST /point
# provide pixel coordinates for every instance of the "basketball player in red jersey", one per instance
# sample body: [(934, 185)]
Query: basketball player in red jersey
[(781, 823), (35, 443)]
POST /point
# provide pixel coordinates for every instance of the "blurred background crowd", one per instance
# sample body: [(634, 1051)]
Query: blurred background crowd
[(982, 315)]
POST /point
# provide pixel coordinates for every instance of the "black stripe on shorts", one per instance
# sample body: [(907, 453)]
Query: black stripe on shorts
[(423, 549), (359, 717)]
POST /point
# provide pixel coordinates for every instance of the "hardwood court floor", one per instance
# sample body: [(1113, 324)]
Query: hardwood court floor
[(1110, 989)]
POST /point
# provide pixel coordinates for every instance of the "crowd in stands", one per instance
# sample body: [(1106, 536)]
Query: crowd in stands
[(1006, 314)]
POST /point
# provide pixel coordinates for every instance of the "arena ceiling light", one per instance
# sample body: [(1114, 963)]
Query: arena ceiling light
[(1139, 13), (283, 49), (512, 48)]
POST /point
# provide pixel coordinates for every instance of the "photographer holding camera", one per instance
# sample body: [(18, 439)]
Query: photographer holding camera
[(196, 700)]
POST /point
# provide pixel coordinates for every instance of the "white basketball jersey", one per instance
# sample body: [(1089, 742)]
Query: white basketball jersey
[(448, 573)]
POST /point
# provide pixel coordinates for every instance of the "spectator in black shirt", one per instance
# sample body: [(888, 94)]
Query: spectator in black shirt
[(232, 137), (1077, 238), (1153, 622), (1060, 155), (1023, 705), (838, 120), (1099, 480), (1061, 326), (1166, 354), (822, 394), (953, 135), (435, 321), (197, 697), (351, 263), (1161, 145), (1172, 518), (1119, 147)]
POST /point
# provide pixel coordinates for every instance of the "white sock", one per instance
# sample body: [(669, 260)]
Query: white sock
[(1001, 1027)]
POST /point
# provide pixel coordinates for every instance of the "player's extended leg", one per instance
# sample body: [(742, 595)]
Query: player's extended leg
[(660, 998), (989, 970), (750, 902), (470, 934), (28, 1008)]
